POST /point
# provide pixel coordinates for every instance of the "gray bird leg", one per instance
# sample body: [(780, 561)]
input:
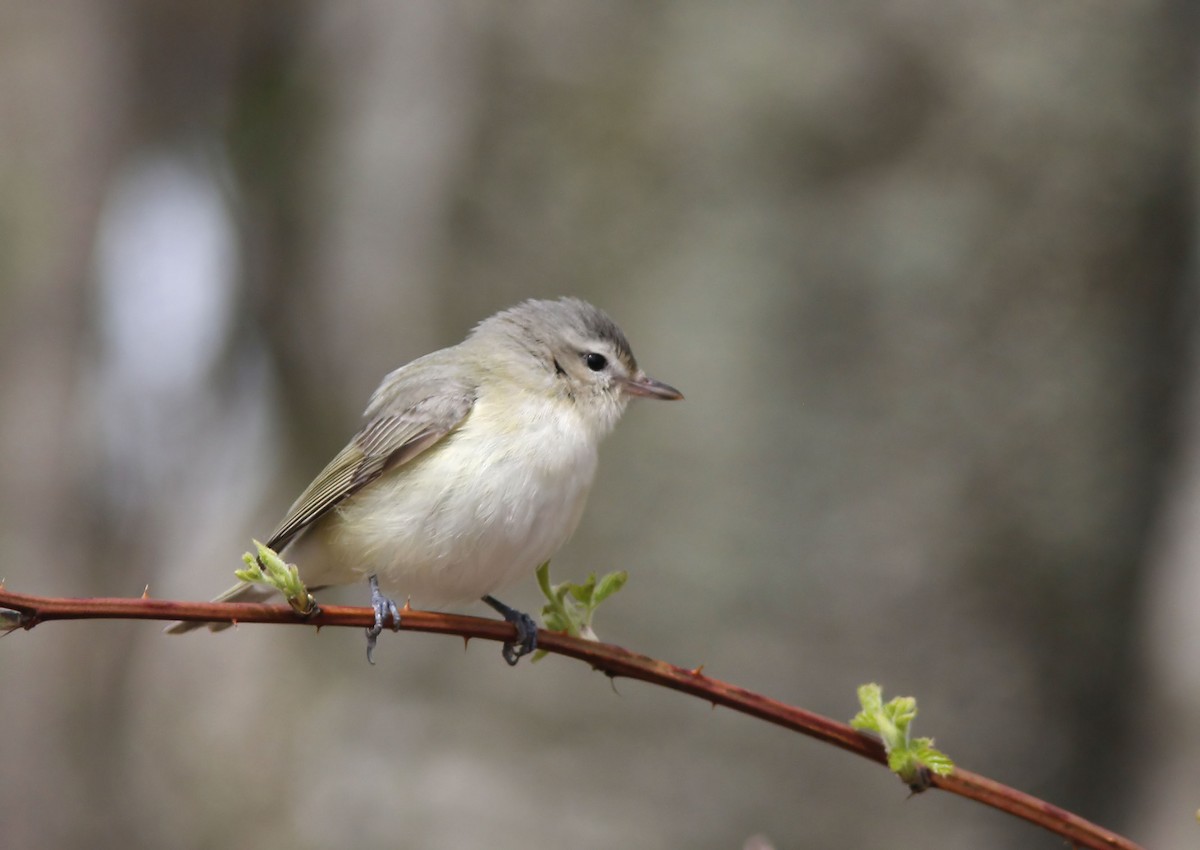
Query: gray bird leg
[(384, 608), (526, 641)]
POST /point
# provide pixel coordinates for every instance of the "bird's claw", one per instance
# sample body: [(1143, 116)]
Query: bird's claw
[(384, 608), (526, 642)]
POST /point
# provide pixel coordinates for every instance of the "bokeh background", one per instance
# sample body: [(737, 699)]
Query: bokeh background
[(925, 271)]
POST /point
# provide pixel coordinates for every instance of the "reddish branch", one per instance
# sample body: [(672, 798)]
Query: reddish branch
[(612, 660)]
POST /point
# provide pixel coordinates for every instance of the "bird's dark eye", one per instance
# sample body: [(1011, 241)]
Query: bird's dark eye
[(595, 361)]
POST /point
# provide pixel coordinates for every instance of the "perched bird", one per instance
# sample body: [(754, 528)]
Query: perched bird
[(472, 468)]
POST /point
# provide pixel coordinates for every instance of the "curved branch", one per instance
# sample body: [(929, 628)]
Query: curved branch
[(611, 660)]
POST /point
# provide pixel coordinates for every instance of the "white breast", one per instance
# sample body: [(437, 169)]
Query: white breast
[(475, 513)]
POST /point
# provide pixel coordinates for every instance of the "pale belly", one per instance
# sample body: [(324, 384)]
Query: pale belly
[(472, 515)]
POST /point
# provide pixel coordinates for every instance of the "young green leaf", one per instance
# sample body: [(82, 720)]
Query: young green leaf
[(570, 607), (912, 759), (610, 584), (267, 568)]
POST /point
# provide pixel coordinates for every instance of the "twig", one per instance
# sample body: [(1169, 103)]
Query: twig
[(612, 660)]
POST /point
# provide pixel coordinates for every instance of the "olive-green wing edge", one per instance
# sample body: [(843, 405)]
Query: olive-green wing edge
[(383, 443)]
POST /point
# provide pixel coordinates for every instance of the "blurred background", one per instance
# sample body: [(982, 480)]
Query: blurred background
[(924, 270)]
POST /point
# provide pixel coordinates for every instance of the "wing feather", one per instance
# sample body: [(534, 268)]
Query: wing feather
[(412, 411)]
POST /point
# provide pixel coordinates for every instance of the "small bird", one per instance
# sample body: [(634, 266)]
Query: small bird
[(472, 468)]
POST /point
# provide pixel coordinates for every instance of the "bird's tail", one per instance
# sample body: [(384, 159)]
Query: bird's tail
[(240, 592)]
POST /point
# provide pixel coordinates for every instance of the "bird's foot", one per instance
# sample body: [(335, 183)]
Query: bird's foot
[(527, 629), (384, 609)]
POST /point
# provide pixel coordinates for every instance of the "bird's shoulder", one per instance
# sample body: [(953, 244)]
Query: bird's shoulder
[(439, 385)]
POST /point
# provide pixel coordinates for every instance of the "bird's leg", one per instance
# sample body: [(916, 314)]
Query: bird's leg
[(526, 641), (384, 608)]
